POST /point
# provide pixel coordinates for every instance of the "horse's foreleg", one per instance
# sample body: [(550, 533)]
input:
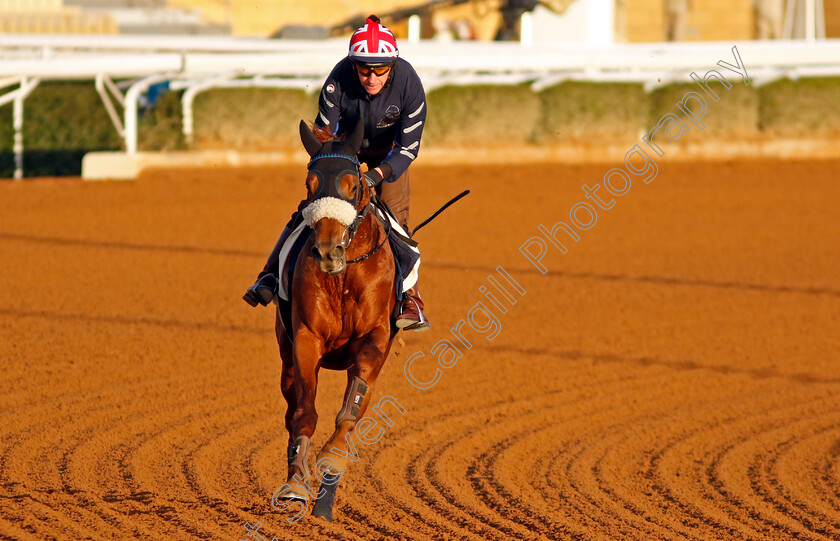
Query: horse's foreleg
[(287, 374), (299, 383), (287, 386), (307, 352), (361, 378), (340, 451)]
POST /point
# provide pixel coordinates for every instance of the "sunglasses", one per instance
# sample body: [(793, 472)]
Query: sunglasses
[(380, 71)]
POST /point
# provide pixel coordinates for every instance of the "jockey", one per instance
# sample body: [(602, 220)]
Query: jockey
[(372, 84)]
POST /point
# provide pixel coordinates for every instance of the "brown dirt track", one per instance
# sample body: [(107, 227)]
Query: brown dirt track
[(674, 376)]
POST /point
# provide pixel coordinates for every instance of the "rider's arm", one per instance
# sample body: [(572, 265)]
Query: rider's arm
[(329, 102), (409, 130)]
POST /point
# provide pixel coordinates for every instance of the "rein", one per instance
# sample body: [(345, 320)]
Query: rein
[(381, 244)]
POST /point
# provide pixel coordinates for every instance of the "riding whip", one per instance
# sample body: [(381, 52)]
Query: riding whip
[(441, 209)]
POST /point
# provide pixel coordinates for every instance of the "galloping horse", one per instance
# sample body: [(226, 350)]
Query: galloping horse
[(342, 298)]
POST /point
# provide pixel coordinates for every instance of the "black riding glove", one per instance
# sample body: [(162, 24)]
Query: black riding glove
[(372, 177)]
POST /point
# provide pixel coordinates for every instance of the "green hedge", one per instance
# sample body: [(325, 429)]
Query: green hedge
[(61, 122), (160, 127), (804, 108), (64, 120), (481, 114), (592, 112), (251, 118), (734, 115)]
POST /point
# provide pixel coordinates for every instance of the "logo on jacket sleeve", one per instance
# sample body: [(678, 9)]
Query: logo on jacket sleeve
[(330, 88)]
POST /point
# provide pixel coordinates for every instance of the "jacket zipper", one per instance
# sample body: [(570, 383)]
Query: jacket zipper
[(368, 124)]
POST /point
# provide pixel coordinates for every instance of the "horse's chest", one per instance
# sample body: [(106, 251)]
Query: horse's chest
[(352, 310), (346, 320)]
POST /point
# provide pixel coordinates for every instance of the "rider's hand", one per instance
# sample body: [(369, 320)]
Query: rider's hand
[(373, 177)]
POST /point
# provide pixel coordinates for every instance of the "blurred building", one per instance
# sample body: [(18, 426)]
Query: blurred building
[(688, 20), (554, 20), (51, 17), (152, 16), (104, 17), (832, 18), (578, 21)]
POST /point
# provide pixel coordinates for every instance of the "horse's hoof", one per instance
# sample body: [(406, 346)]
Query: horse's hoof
[(298, 494), (326, 500), (326, 515)]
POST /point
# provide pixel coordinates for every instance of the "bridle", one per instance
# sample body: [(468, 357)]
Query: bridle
[(333, 189)]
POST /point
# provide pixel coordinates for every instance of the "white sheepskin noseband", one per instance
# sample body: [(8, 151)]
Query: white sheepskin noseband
[(329, 207)]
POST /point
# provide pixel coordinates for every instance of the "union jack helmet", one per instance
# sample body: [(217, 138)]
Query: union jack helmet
[(373, 45)]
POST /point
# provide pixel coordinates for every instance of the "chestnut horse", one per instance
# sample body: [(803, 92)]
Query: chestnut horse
[(342, 298)]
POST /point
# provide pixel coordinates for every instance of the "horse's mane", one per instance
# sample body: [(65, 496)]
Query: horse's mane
[(324, 134)]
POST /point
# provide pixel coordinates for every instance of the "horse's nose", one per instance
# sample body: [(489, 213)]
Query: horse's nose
[(337, 253), (316, 253)]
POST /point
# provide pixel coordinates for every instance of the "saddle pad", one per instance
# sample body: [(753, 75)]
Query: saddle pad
[(287, 258), (406, 257)]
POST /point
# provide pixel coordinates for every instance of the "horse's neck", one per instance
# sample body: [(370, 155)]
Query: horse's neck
[(368, 235)]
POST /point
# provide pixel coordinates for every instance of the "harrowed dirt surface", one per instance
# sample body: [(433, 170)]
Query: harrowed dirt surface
[(675, 375)]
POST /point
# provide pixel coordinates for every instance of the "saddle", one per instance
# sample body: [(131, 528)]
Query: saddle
[(404, 248)]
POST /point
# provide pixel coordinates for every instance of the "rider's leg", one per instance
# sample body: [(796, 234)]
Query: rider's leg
[(412, 317), (264, 289), (396, 194)]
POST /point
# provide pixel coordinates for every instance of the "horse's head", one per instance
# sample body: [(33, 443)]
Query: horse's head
[(336, 194)]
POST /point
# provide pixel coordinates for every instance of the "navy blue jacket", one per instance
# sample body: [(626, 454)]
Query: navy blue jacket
[(394, 117)]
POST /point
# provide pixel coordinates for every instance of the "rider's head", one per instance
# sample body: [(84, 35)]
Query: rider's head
[(373, 50)]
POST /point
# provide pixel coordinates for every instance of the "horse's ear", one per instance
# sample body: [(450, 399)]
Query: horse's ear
[(354, 140), (310, 140)]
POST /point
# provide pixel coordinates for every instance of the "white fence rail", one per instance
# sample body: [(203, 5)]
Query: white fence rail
[(83, 57), (199, 63)]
